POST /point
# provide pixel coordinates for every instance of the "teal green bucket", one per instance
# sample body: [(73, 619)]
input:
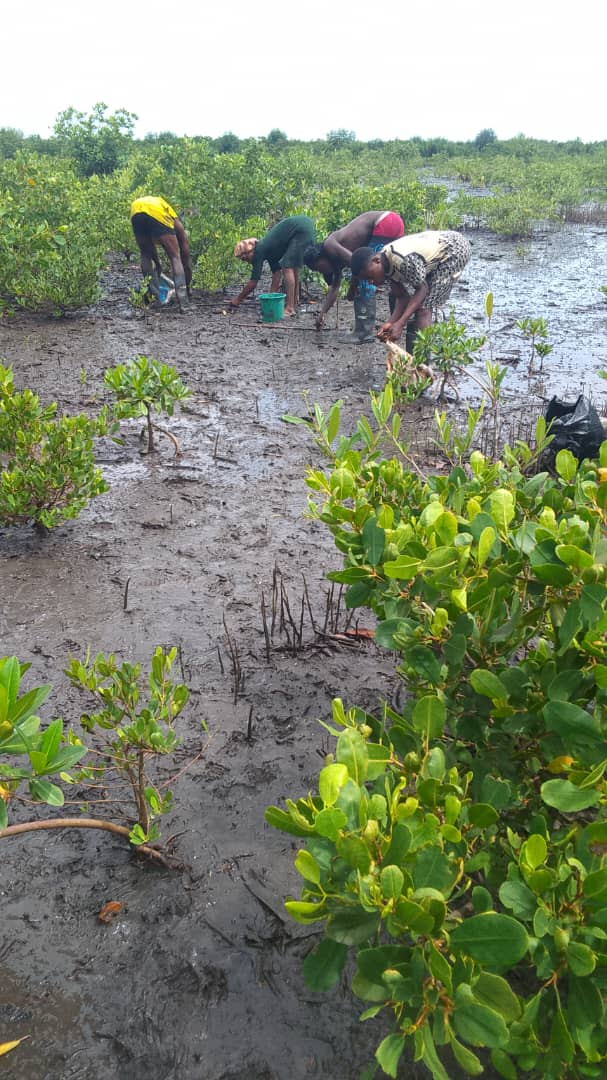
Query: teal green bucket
[(272, 306)]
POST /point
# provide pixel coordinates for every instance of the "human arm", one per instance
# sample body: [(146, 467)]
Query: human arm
[(336, 251), (405, 307), (246, 290), (329, 299)]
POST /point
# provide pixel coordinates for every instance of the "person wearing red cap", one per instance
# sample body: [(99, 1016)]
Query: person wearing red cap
[(373, 229)]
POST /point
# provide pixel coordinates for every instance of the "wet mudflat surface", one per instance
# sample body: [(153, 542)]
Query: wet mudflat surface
[(199, 976)]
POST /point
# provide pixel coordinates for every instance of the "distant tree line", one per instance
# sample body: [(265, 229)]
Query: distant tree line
[(99, 142)]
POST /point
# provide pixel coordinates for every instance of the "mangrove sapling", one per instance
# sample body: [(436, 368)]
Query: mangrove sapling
[(47, 465), (127, 733), (131, 731), (445, 347), (535, 331), (143, 386)]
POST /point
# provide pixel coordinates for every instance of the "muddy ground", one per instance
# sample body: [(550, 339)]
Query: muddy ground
[(199, 975)]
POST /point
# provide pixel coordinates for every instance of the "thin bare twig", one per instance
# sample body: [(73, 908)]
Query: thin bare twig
[(266, 633)]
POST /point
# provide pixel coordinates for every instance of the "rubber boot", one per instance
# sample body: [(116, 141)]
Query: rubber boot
[(181, 293), (364, 321)]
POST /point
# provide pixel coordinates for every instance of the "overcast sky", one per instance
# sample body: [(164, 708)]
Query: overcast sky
[(445, 68)]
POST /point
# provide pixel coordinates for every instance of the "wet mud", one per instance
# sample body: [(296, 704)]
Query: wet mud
[(198, 977)]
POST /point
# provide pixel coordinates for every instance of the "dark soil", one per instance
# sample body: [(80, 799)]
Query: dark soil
[(199, 975)]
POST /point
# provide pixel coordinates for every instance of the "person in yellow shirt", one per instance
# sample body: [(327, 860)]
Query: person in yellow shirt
[(155, 222)]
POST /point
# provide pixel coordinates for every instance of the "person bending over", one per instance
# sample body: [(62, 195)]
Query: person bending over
[(373, 229), (155, 222), (282, 247), (422, 268)]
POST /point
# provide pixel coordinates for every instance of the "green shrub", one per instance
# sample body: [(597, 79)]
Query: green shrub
[(459, 846), (48, 473)]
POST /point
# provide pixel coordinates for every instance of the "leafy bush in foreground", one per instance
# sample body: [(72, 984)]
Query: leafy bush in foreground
[(48, 473), (459, 846)]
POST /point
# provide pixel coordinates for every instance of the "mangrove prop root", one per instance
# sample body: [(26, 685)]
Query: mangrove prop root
[(89, 823)]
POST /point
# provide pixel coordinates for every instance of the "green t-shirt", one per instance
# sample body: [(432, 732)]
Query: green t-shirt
[(276, 241)]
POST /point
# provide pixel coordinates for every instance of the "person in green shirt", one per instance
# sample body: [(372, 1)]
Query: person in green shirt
[(282, 247)]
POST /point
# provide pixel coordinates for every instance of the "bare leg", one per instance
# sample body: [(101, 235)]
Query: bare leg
[(275, 283), (170, 244), (288, 275), (149, 257)]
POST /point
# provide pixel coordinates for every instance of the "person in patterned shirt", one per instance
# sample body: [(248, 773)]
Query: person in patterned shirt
[(422, 268)]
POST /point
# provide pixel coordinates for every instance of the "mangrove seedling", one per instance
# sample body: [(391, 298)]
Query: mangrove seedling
[(132, 724), (48, 472), (144, 386), (445, 347), (535, 331)]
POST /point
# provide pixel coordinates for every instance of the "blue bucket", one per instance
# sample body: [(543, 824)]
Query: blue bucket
[(272, 306)]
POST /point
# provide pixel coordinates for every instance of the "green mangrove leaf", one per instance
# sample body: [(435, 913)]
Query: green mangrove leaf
[(374, 540), (389, 1052), (488, 684), (306, 865), (429, 716), (499, 941), (351, 751), (323, 966), (477, 1023), (329, 823), (330, 782), (565, 796), (353, 926)]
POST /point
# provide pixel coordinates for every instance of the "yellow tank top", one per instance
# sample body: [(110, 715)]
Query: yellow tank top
[(154, 207)]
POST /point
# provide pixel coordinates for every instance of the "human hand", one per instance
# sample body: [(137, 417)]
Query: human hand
[(386, 332)]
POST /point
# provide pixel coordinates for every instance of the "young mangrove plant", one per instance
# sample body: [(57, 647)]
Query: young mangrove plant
[(47, 465), (445, 347), (130, 726), (535, 331), (144, 386)]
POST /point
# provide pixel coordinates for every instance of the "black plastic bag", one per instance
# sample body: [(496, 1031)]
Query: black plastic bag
[(575, 426)]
